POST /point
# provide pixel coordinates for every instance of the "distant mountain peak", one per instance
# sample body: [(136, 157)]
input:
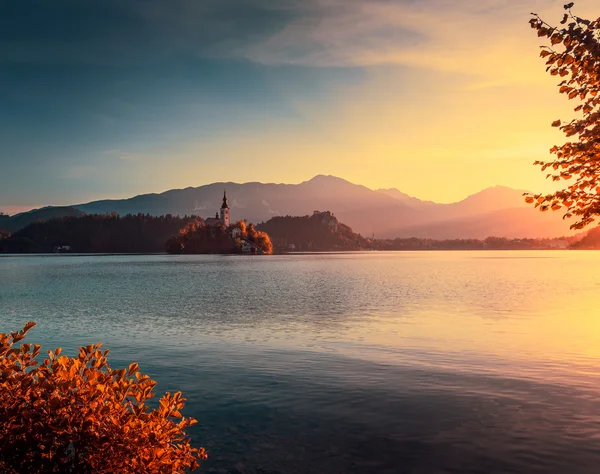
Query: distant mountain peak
[(499, 188), (326, 178), (383, 212)]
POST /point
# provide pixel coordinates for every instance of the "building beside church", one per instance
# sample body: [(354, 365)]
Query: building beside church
[(224, 218)]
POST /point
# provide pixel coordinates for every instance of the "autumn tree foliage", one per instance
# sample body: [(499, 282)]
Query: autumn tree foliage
[(197, 238), (77, 415), (574, 55), (257, 237), (193, 226)]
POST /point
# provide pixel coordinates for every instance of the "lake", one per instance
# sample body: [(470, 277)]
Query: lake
[(416, 362)]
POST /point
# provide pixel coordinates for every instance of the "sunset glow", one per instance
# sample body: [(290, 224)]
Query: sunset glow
[(316, 236), (385, 94)]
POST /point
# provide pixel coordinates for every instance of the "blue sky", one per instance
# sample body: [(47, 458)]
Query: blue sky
[(114, 98)]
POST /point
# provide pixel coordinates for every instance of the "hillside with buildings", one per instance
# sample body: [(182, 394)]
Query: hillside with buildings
[(320, 231)]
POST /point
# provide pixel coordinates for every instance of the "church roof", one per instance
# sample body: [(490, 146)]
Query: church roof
[(212, 221)]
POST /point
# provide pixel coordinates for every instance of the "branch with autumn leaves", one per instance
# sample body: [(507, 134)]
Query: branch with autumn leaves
[(574, 54)]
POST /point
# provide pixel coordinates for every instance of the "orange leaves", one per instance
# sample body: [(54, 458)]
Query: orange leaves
[(573, 53), (132, 368), (83, 407), (27, 327), (542, 31)]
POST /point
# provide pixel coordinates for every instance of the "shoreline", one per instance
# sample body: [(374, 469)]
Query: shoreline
[(316, 252)]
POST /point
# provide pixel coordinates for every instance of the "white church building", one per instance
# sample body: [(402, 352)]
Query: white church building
[(223, 217)]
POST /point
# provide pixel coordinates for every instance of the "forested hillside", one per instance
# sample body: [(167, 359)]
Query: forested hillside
[(318, 232), (96, 234)]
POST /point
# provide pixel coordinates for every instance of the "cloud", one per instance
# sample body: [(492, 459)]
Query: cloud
[(122, 155), (487, 38), (483, 38)]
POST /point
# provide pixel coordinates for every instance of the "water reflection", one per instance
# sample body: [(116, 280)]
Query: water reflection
[(382, 362)]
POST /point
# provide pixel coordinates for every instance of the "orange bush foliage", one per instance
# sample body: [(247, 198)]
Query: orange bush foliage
[(78, 415)]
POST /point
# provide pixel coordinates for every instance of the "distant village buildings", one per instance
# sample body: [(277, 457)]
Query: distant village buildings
[(62, 248), (558, 244)]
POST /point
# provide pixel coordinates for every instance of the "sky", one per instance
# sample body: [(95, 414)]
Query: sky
[(111, 98)]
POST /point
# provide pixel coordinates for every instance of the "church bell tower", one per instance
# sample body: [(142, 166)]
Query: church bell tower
[(225, 219)]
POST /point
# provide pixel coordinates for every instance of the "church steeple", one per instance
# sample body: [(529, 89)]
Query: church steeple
[(225, 204), (225, 218)]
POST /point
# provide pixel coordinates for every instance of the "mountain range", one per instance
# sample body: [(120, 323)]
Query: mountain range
[(386, 213)]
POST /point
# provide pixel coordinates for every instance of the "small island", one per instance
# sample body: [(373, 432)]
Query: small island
[(217, 235)]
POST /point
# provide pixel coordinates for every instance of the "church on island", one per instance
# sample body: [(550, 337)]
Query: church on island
[(241, 238), (224, 217)]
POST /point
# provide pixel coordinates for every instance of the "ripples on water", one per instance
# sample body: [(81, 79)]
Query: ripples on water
[(481, 362)]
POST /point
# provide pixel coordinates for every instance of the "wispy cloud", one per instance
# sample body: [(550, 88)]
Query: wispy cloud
[(122, 155), (484, 38)]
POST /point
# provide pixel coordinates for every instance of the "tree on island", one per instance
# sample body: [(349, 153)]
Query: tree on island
[(197, 238), (574, 54), (259, 238), (79, 415)]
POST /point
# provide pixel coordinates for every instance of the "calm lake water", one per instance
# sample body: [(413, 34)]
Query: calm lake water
[(462, 362)]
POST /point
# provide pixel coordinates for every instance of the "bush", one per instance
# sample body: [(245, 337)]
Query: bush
[(78, 415)]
